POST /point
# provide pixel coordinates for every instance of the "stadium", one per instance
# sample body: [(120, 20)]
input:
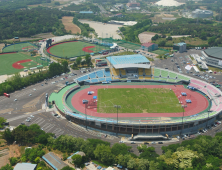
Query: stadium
[(132, 97), (212, 56)]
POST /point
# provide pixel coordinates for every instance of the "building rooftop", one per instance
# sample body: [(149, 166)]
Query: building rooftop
[(54, 161), (214, 52), (86, 12), (180, 44), (133, 3), (148, 44), (25, 166)]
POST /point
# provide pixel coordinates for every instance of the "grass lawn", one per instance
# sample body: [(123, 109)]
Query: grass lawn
[(17, 47), (99, 163), (139, 100), (6, 61), (159, 52), (73, 49)]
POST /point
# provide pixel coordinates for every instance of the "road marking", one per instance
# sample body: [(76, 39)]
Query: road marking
[(52, 126)]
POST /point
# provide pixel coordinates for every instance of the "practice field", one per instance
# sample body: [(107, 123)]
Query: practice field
[(138, 100), (16, 62), (159, 52), (74, 49), (18, 47)]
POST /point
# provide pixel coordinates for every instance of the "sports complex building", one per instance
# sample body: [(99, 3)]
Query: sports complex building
[(130, 96), (213, 57)]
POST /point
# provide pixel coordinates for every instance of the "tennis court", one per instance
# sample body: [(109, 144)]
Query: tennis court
[(74, 49), (19, 47), (159, 52)]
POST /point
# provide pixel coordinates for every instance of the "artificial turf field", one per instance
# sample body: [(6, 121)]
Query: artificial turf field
[(73, 49), (6, 61), (17, 47), (138, 100)]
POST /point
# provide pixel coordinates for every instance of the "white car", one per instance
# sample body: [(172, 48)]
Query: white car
[(132, 142), (31, 116), (58, 116), (41, 128), (219, 122), (15, 100), (34, 89), (121, 142), (27, 120), (30, 94)]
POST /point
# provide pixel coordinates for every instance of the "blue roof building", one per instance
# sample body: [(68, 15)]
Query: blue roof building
[(126, 61), (181, 47), (86, 12)]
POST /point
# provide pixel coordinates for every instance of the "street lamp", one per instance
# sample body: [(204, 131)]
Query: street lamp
[(182, 119), (86, 102), (117, 106)]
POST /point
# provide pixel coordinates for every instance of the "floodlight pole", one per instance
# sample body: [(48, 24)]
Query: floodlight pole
[(117, 106), (182, 122), (85, 113)]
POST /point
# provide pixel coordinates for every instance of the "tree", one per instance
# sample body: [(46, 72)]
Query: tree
[(7, 167), (104, 154), (67, 168), (13, 161), (77, 160), (88, 60), (37, 160), (169, 38), (120, 149), (78, 60), (57, 3), (162, 43)]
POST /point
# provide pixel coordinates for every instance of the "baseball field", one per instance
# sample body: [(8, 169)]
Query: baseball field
[(74, 48), (18, 47), (138, 100), (16, 62)]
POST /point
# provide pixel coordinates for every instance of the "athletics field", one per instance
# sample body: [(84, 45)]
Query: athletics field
[(74, 49), (138, 100)]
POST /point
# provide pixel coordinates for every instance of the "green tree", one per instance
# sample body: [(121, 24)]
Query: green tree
[(104, 154), (57, 3), (67, 168), (78, 60), (120, 149), (162, 43), (6, 167), (77, 159), (88, 60), (37, 160), (2, 121), (13, 161)]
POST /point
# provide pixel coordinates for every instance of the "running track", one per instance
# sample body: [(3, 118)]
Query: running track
[(199, 102)]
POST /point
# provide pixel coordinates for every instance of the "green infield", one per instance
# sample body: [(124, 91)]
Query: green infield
[(159, 52), (74, 49), (138, 100), (18, 47), (8, 63)]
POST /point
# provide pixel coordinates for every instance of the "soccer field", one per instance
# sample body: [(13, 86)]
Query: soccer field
[(18, 47), (73, 49), (7, 60), (138, 100)]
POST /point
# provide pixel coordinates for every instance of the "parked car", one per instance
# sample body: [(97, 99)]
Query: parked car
[(160, 142)]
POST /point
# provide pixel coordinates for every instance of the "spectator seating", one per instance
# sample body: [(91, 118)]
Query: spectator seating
[(164, 73), (157, 72), (102, 79), (172, 75), (141, 77), (92, 75), (148, 72), (107, 73), (108, 79), (140, 71), (83, 78), (182, 77), (100, 73), (115, 72), (123, 72), (147, 78)]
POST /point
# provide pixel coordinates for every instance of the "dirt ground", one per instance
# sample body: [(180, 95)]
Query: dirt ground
[(104, 30), (146, 36), (67, 22), (1, 46)]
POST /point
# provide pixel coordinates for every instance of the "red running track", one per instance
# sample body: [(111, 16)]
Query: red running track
[(18, 65), (199, 102)]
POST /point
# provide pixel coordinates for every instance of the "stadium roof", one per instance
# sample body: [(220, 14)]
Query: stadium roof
[(214, 52), (25, 166), (54, 161), (132, 61)]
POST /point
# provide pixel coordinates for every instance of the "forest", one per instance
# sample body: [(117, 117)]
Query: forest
[(25, 23), (201, 153), (17, 4), (85, 28)]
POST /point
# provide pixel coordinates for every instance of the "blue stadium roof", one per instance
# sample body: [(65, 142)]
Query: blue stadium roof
[(128, 59)]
